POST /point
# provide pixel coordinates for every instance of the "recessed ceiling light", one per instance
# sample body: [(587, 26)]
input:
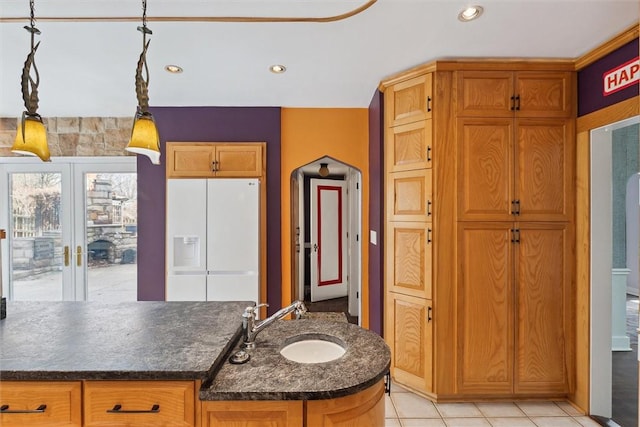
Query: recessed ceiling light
[(470, 13), (173, 69), (278, 69)]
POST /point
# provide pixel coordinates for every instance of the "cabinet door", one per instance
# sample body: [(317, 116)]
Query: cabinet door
[(409, 196), (409, 334), (409, 258), (409, 101), (485, 308), (544, 169), (485, 94), (409, 147), (40, 403), (109, 403), (190, 160), (544, 94), (238, 160), (363, 409), (485, 169), (247, 413), (544, 308)]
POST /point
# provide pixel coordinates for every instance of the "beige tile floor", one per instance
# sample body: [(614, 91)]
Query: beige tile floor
[(406, 409)]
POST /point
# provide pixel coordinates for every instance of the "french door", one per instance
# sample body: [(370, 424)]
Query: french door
[(71, 229)]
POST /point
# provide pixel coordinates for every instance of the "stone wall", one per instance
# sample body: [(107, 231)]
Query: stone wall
[(75, 136)]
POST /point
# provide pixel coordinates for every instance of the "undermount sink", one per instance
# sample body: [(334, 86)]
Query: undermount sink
[(312, 351)]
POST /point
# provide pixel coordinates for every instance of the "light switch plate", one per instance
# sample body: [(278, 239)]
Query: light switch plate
[(373, 237)]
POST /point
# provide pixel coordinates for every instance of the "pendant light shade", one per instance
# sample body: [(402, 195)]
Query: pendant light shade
[(144, 135), (31, 137), (144, 138)]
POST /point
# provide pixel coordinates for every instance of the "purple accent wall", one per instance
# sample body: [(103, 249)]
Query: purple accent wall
[(201, 124), (376, 216), (590, 83)]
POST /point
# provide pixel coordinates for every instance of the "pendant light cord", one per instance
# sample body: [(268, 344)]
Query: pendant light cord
[(142, 82), (29, 84)]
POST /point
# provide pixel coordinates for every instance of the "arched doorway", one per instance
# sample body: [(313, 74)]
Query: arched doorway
[(326, 255)]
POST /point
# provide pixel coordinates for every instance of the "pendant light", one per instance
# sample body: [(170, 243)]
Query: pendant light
[(144, 135), (31, 137), (324, 170)]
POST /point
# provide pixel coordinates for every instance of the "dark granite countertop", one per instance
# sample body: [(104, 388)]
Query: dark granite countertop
[(128, 341), (270, 376)]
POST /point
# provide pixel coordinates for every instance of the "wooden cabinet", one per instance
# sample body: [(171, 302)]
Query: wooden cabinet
[(515, 169), (247, 413), (521, 93), (109, 403), (209, 160), (409, 258), (409, 195), (410, 101), (478, 224), (409, 334), (42, 403), (419, 152), (363, 409), (409, 147), (544, 308), (514, 323)]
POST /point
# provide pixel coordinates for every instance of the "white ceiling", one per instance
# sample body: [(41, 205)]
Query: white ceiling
[(88, 68)]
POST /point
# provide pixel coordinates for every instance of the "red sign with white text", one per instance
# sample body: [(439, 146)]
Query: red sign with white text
[(621, 77)]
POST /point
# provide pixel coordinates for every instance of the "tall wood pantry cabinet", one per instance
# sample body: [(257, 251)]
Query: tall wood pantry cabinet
[(479, 212)]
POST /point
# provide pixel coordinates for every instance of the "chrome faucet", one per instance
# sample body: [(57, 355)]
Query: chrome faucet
[(251, 328)]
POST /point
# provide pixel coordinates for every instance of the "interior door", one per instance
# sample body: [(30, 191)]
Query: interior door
[(329, 263)]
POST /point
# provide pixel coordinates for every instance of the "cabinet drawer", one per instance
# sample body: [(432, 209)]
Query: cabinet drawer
[(40, 403), (157, 403)]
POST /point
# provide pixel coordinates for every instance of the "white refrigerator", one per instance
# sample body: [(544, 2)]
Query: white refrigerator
[(213, 240)]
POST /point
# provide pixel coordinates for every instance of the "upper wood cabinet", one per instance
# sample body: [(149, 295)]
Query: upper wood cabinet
[(515, 170), (210, 160), (410, 101), (522, 93), (41, 403), (409, 147)]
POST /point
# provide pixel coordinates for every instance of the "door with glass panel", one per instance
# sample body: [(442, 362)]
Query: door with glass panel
[(71, 229)]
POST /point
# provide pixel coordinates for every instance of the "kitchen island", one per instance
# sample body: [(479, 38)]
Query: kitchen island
[(166, 363)]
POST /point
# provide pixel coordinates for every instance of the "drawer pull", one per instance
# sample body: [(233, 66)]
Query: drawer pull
[(4, 409), (117, 409)]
